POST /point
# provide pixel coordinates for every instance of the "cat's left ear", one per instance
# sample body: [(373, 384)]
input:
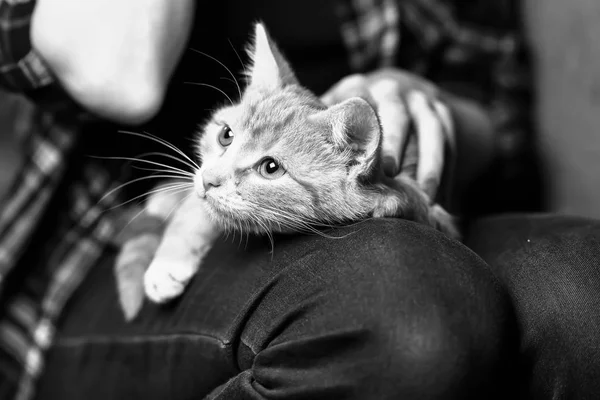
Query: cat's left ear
[(355, 129), (270, 70)]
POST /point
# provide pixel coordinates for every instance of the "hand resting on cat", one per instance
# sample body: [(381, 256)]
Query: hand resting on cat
[(283, 160)]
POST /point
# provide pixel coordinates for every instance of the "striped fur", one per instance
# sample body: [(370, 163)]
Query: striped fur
[(330, 159)]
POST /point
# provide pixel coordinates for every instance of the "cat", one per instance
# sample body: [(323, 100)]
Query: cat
[(279, 160)]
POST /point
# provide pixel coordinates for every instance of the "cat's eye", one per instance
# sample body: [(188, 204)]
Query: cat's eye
[(271, 169), (225, 136)]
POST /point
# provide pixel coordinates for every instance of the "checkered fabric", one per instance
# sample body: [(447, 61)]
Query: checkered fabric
[(20, 67), (475, 49)]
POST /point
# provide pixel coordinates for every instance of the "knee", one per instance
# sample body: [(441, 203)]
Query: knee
[(419, 356), (428, 350), (393, 310), (438, 323), (549, 266)]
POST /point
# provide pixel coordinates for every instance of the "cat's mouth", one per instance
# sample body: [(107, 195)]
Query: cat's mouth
[(231, 213), (214, 203), (224, 210)]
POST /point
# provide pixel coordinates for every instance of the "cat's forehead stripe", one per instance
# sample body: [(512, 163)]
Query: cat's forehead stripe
[(276, 123), (270, 126)]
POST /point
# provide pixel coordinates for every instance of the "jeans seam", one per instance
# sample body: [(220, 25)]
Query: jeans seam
[(242, 341), (104, 339)]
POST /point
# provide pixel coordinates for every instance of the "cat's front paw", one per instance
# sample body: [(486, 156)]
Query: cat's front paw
[(166, 279)]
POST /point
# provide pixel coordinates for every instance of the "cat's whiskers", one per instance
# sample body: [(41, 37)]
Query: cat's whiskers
[(273, 216), (176, 206), (158, 153), (233, 231), (302, 223), (178, 175), (298, 224), (234, 212), (156, 139), (133, 218), (247, 239), (137, 215), (249, 224), (238, 57), (247, 233), (267, 231), (229, 80), (289, 220), (242, 232), (133, 159), (211, 86), (143, 209), (224, 66), (234, 228), (143, 178), (172, 189)]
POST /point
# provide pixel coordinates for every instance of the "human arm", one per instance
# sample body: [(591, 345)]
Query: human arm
[(114, 58)]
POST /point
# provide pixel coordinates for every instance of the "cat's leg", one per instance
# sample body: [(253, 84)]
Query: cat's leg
[(138, 239), (401, 198), (187, 239)]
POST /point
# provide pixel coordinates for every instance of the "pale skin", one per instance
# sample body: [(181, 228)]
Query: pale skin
[(118, 65), (114, 57)]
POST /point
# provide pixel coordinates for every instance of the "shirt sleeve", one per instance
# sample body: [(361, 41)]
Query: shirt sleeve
[(22, 70), (479, 51), (475, 49)]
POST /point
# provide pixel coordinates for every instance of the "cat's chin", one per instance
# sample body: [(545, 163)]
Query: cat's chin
[(224, 213), (228, 224), (228, 220)]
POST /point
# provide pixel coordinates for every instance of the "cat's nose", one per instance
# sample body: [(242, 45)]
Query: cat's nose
[(210, 178)]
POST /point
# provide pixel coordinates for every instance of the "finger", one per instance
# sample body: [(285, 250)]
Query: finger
[(445, 118), (394, 119), (351, 86), (430, 133)]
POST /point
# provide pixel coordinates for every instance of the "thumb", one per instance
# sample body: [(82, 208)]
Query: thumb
[(351, 86)]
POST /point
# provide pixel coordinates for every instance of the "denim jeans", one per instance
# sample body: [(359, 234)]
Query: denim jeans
[(387, 310), (551, 268)]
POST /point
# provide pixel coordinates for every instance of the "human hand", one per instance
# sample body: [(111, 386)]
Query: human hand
[(402, 99), (113, 57)]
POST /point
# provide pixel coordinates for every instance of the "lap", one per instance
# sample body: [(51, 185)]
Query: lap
[(550, 266), (388, 308)]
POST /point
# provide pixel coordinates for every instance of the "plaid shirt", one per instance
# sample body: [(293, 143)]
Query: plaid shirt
[(474, 49)]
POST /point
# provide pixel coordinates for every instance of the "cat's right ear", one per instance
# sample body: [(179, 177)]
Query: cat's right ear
[(270, 70), (355, 129)]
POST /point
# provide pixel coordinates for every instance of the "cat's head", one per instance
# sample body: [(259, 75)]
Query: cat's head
[(279, 159)]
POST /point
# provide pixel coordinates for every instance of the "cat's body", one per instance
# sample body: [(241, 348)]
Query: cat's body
[(281, 161)]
